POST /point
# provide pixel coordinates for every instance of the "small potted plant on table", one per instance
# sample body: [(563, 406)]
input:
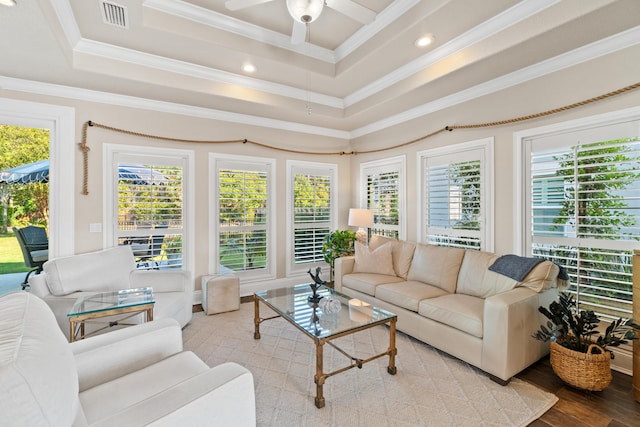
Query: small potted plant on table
[(579, 354)]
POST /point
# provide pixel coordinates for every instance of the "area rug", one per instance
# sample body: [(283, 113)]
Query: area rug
[(429, 389)]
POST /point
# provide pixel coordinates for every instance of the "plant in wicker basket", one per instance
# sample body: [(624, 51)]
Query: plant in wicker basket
[(579, 354)]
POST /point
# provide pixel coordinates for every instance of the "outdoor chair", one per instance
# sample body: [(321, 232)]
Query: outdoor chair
[(35, 248), (147, 250), (147, 253)]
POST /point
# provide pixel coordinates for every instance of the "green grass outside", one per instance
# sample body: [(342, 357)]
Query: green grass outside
[(11, 260)]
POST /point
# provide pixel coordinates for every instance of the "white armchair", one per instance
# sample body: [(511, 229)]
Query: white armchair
[(65, 279), (129, 377)]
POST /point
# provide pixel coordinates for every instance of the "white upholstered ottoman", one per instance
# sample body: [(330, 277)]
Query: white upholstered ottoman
[(220, 293)]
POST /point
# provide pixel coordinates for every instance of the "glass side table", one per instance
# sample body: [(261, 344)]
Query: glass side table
[(129, 302)]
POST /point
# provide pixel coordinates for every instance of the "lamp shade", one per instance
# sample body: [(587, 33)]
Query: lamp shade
[(360, 217), (305, 11)]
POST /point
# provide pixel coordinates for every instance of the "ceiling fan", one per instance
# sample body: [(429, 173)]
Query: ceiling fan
[(304, 12)]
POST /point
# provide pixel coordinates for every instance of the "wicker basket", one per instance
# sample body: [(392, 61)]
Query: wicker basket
[(586, 371)]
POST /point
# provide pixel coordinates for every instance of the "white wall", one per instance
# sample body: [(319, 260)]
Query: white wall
[(551, 91), (566, 87)]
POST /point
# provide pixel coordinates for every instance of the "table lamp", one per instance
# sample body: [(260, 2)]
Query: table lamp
[(361, 218)]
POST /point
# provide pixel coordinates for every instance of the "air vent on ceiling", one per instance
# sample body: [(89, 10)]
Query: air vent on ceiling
[(114, 14)]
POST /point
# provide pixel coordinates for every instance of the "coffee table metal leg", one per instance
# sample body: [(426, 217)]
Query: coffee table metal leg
[(392, 347), (319, 377), (256, 318)]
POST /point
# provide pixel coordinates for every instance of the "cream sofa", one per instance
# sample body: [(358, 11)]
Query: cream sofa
[(65, 279), (130, 377), (448, 298)]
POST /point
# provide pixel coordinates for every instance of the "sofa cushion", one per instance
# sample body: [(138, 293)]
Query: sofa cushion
[(367, 282), (97, 271), (35, 390), (376, 261), (407, 294), (459, 311), (401, 253), (436, 265), (477, 280)]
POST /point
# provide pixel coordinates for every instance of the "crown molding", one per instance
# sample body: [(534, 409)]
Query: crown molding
[(117, 53), (223, 22), (509, 17), (48, 89), (63, 11), (366, 32), (617, 42)]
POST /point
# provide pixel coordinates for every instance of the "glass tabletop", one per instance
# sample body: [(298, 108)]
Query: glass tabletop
[(112, 300), (335, 313)]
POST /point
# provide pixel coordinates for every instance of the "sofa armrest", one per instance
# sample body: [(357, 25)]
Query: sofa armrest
[(38, 285), (221, 396), (108, 356), (341, 266), (162, 280), (510, 320)]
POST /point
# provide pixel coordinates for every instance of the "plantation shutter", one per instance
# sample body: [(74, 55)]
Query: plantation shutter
[(243, 201), (383, 198), (312, 207), (453, 187), (584, 211), (149, 208)]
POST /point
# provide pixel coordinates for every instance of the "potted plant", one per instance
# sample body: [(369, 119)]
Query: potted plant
[(579, 354), (336, 244)]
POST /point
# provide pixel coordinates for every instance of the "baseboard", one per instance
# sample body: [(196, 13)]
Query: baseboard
[(623, 359)]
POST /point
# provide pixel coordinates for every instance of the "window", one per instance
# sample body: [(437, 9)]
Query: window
[(383, 193), (456, 195), (148, 208), (583, 208), (243, 203), (311, 207)]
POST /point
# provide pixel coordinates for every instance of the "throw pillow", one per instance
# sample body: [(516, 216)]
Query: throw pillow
[(401, 253), (377, 261)]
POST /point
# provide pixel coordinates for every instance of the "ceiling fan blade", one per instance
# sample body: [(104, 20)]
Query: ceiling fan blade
[(299, 33), (353, 10), (243, 4)]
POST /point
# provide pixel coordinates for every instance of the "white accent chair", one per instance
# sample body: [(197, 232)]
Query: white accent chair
[(65, 279), (129, 377)]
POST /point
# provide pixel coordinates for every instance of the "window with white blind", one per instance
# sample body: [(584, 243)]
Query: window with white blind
[(311, 206), (243, 214), (383, 192), (456, 195), (147, 206), (583, 208)]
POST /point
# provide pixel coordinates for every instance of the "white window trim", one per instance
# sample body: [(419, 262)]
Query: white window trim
[(624, 353), (61, 122), (292, 269), (214, 229), (486, 145), (109, 191), (402, 207), (520, 162)]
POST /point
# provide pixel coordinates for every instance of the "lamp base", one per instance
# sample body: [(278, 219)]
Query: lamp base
[(361, 236)]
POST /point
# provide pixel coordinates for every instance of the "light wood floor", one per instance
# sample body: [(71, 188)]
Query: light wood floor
[(613, 407)]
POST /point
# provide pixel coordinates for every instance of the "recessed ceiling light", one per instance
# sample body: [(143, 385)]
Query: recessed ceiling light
[(249, 68), (8, 2), (423, 41)]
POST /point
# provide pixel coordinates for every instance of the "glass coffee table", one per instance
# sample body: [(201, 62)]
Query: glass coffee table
[(129, 302), (339, 315)]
